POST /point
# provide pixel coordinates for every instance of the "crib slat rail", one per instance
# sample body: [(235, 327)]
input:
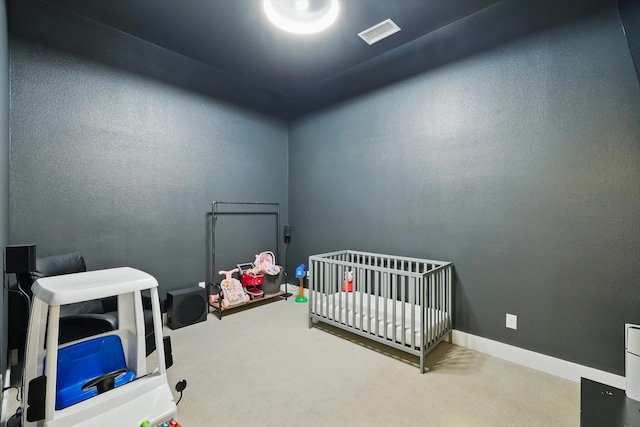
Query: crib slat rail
[(401, 302)]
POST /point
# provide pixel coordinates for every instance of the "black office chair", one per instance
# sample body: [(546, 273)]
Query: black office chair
[(77, 321)]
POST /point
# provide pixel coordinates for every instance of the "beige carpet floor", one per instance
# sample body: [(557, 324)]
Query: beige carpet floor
[(263, 366)]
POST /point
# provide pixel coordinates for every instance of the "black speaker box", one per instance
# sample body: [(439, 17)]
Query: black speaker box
[(20, 259), (186, 307)]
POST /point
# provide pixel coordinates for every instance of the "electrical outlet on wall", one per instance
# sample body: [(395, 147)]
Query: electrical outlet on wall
[(512, 321)]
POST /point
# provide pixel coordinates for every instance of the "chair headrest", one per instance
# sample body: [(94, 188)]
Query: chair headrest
[(53, 265)]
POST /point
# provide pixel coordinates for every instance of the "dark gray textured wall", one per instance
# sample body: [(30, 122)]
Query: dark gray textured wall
[(124, 167), (4, 169), (630, 17), (521, 165)]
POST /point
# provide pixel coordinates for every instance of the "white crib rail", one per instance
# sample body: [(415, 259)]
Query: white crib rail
[(402, 302)]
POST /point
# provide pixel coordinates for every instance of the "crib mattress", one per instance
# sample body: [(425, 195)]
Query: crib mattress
[(358, 316)]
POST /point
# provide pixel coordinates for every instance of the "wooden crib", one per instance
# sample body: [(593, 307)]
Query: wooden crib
[(401, 302)]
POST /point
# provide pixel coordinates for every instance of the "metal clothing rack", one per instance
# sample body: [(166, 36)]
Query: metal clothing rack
[(214, 218)]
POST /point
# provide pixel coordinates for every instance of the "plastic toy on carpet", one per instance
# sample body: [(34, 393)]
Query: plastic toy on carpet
[(301, 272), (102, 379), (234, 293)]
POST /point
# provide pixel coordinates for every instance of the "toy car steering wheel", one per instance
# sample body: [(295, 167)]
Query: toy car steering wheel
[(104, 382)]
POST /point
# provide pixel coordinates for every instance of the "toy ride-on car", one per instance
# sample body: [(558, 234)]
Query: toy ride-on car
[(103, 379)]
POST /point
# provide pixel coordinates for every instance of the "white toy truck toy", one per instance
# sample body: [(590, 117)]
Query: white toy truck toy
[(103, 379)]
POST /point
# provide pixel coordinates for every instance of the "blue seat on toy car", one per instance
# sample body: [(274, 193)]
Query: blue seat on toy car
[(88, 368)]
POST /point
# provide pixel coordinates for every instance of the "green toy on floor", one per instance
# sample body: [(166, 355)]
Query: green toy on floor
[(301, 272)]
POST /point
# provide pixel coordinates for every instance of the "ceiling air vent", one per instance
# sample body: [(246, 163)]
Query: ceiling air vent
[(379, 31)]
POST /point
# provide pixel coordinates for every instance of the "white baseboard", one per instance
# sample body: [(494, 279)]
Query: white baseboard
[(551, 365)]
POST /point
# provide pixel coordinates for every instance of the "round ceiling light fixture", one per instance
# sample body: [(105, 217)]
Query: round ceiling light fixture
[(302, 16)]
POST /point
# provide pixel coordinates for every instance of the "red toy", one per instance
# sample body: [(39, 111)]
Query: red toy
[(347, 285), (249, 275)]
